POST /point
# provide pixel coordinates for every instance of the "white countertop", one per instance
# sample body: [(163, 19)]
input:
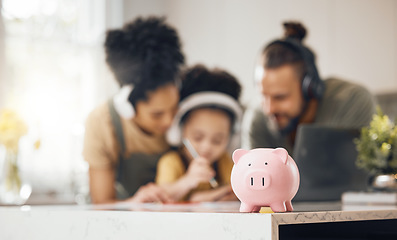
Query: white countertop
[(170, 221)]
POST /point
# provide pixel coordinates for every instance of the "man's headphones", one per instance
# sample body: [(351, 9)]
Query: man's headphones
[(312, 85), (205, 99), (120, 101)]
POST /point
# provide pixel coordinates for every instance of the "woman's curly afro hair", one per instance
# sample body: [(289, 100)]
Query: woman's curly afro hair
[(146, 53)]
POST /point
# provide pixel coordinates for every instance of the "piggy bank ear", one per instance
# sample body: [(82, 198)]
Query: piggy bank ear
[(237, 154), (282, 154)]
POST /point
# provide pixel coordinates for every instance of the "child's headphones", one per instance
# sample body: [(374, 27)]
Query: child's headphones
[(120, 101), (205, 99), (312, 85)]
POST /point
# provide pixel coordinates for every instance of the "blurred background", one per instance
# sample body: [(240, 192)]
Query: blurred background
[(53, 73)]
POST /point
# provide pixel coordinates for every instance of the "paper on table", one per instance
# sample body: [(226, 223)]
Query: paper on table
[(370, 197)]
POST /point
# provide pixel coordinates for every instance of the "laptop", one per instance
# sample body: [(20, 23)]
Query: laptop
[(326, 159)]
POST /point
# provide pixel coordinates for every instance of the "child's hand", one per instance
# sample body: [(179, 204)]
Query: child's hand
[(226, 194), (222, 193), (199, 170), (150, 193)]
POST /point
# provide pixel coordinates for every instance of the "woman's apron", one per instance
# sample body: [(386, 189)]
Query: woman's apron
[(132, 171)]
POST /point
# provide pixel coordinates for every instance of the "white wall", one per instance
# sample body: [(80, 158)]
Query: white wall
[(353, 39)]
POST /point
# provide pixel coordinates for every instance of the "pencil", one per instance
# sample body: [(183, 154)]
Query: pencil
[(194, 154)]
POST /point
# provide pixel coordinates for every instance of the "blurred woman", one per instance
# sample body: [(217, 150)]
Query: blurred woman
[(125, 137)]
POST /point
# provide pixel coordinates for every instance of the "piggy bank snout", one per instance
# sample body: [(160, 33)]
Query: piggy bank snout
[(257, 180)]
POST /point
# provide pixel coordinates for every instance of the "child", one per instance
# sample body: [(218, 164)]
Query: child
[(208, 118)]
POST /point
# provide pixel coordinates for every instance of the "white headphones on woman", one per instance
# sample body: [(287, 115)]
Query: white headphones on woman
[(205, 99), (120, 101)]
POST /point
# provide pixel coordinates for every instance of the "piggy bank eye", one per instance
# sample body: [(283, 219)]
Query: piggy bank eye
[(265, 163), (249, 164)]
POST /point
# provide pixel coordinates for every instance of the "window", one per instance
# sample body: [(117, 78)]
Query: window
[(55, 75)]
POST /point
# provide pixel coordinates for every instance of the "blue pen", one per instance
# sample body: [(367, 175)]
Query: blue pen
[(194, 154)]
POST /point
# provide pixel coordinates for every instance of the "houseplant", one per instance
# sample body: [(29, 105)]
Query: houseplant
[(377, 151), (12, 128)]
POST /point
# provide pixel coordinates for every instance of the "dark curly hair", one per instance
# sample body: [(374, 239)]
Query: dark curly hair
[(146, 53), (199, 79)]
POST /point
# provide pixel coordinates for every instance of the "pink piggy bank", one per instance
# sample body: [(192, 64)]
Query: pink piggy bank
[(264, 177)]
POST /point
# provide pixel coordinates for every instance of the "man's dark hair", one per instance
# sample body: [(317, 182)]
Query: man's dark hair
[(146, 53), (289, 50)]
